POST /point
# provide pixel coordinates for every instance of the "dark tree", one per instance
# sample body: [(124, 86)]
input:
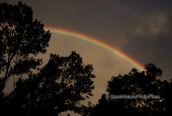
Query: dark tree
[(19, 38), (42, 93), (167, 95), (58, 87), (132, 84)]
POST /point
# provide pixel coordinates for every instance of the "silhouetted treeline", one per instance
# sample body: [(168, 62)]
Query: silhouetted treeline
[(132, 84)]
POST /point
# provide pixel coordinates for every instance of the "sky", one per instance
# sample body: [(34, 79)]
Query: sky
[(140, 29)]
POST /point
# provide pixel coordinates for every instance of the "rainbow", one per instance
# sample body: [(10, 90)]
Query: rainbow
[(97, 43), (100, 44)]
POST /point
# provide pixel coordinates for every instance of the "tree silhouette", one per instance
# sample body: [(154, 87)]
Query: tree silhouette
[(154, 72), (42, 93), (132, 83), (59, 86), (19, 38), (167, 95)]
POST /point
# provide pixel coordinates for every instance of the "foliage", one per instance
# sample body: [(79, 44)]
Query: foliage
[(132, 83), (59, 86), (19, 38)]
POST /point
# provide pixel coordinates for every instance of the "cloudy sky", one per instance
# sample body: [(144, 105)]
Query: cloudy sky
[(141, 29)]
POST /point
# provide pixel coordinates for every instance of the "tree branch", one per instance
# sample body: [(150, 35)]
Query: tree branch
[(7, 68)]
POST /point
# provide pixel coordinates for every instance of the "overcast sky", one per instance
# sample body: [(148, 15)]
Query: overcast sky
[(142, 29)]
